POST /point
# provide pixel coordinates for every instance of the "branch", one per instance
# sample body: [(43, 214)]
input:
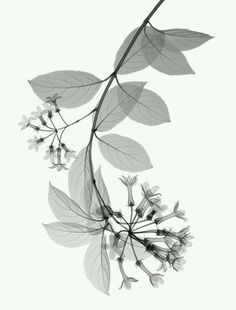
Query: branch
[(112, 77)]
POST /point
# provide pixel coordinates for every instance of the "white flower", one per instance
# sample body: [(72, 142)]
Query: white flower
[(127, 282), (178, 264), (163, 266), (129, 181), (38, 113), (69, 154), (185, 241), (169, 241), (25, 122), (179, 213), (149, 192), (155, 202), (159, 210), (177, 249), (157, 207), (147, 201), (35, 142), (49, 107), (183, 231), (184, 237), (156, 279), (59, 167), (52, 101), (50, 154)]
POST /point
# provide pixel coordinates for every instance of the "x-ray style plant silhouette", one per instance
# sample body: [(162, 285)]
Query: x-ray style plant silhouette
[(87, 216)]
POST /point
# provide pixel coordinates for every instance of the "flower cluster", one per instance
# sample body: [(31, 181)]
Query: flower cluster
[(141, 236), (42, 122)]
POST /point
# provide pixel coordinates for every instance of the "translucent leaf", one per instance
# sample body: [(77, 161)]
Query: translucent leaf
[(102, 187), (97, 264), (162, 56), (117, 105), (95, 209), (80, 183), (184, 39), (172, 63), (70, 234), (149, 109), (154, 41), (66, 209), (75, 87), (124, 153), (135, 60)]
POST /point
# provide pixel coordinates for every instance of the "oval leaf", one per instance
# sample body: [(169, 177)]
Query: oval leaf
[(124, 153), (97, 264), (66, 209), (75, 87), (184, 39), (149, 109), (135, 60), (117, 105), (70, 234), (80, 183), (162, 56)]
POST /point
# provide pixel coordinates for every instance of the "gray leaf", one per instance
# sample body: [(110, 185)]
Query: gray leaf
[(80, 183), (184, 39), (97, 265), (75, 87), (135, 60), (149, 109), (124, 153), (66, 209), (117, 105), (71, 234), (95, 209), (162, 57)]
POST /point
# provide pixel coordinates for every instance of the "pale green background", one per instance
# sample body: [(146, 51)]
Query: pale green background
[(194, 155)]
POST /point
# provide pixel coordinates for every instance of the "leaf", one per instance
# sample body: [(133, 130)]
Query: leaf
[(75, 87), (97, 264), (71, 234), (117, 105), (124, 153), (95, 209), (66, 209), (80, 183), (184, 39), (162, 56), (149, 109), (135, 59)]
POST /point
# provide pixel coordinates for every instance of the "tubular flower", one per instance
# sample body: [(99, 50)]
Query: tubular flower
[(127, 281), (58, 165), (129, 182), (155, 278), (147, 201)]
